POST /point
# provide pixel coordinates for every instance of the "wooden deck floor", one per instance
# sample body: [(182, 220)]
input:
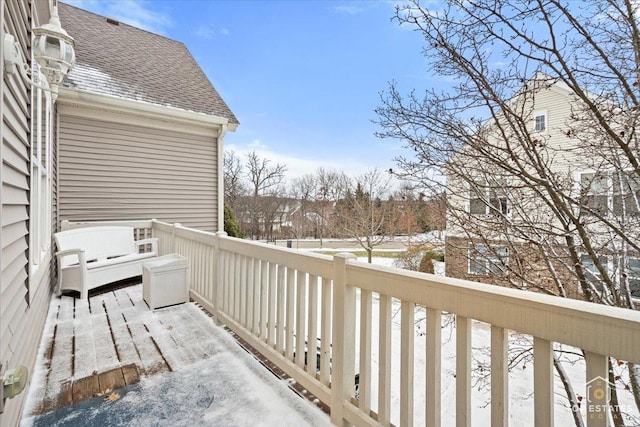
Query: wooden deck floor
[(94, 347)]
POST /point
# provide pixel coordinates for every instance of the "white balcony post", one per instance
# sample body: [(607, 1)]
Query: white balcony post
[(543, 382), (218, 264), (174, 241), (463, 371), (598, 393), (434, 368), (499, 376), (344, 325)]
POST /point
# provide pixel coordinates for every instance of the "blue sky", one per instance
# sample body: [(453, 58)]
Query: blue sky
[(303, 77)]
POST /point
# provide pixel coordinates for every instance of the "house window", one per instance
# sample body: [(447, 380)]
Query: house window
[(40, 195), (633, 274), (487, 197), (540, 121), (591, 272), (485, 260), (617, 192), (595, 191), (626, 193)]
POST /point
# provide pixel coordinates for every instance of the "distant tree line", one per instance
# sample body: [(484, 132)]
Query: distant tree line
[(261, 204)]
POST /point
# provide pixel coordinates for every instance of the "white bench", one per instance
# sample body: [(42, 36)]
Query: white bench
[(94, 256)]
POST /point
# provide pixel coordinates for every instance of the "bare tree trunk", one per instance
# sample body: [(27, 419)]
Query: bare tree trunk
[(634, 378), (618, 421), (568, 388)]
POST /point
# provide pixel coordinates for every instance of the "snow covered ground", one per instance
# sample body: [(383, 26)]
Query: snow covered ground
[(521, 405)]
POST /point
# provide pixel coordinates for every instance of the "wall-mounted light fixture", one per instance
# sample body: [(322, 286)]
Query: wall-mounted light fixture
[(52, 50), (12, 383)]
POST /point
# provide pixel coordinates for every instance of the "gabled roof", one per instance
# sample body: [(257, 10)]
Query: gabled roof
[(117, 59)]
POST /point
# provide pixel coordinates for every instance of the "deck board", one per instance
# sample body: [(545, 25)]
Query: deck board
[(111, 380), (85, 388), (115, 340), (130, 374), (111, 341)]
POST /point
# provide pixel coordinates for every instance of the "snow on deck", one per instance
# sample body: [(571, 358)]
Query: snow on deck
[(191, 369)]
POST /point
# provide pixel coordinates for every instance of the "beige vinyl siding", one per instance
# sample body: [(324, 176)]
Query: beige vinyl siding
[(21, 323), (119, 171)]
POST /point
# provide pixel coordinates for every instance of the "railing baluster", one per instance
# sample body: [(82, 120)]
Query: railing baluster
[(281, 309), (499, 377), (223, 284), (236, 286), (228, 282), (291, 306), (543, 382), (301, 319), (312, 340), (218, 277), (433, 361), (365, 351), (463, 372), (249, 293), (272, 331), (257, 300), (242, 293), (408, 310), (325, 332), (264, 300), (384, 353), (597, 384)]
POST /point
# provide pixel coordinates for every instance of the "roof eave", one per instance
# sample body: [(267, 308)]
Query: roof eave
[(125, 105)]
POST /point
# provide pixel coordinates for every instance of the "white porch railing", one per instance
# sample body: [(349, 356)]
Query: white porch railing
[(283, 302)]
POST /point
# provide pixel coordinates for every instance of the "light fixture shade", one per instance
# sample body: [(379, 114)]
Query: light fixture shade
[(53, 50)]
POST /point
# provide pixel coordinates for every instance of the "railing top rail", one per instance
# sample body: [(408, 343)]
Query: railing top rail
[(601, 329), (200, 236), (317, 264)]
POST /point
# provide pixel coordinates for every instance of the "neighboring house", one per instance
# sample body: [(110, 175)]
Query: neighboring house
[(485, 204), (136, 132), (139, 125)]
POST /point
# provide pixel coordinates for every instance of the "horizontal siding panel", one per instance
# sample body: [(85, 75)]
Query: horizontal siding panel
[(110, 148), (82, 175), (150, 163), (117, 212), (13, 214), (127, 130), (13, 270), (16, 107), (14, 249), (17, 154), (15, 161), (178, 142), (17, 21), (15, 179), (14, 196), (111, 171), (14, 314), (143, 194), (158, 154)]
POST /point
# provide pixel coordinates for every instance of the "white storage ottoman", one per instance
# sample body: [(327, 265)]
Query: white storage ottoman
[(164, 281)]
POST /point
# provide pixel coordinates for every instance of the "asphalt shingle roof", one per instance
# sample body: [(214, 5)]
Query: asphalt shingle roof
[(128, 62)]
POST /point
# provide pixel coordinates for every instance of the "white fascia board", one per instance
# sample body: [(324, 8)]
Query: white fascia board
[(124, 105)]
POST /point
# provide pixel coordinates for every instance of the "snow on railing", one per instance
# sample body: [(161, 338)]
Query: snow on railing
[(299, 308)]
